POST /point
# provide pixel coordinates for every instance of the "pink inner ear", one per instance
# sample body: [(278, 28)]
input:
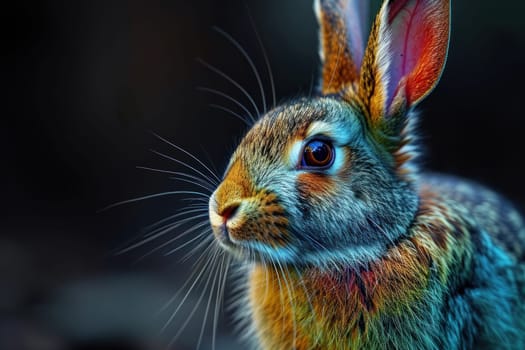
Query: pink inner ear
[(419, 42)]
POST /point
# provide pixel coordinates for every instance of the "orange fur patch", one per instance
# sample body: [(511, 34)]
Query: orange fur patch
[(260, 218), (236, 186), (339, 68), (312, 184), (263, 220)]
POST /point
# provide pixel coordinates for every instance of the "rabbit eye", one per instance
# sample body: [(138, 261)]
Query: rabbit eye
[(318, 154)]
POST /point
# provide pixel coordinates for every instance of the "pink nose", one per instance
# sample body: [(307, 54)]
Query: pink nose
[(229, 211)]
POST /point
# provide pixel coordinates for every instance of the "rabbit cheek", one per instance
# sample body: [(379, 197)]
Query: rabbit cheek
[(315, 185), (263, 221)]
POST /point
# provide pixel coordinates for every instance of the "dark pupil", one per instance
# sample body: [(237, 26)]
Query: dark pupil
[(318, 153)]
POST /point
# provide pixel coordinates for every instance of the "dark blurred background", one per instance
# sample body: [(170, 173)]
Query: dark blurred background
[(84, 83)]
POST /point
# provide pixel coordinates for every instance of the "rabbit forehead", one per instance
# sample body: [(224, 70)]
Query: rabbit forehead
[(275, 135)]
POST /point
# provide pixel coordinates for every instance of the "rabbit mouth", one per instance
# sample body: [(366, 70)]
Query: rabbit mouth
[(223, 237), (251, 250)]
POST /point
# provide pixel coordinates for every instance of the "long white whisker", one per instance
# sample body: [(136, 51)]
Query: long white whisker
[(281, 297), (218, 299), (204, 290), (190, 155), (150, 196), (147, 229), (198, 247), (306, 292), (170, 241), (160, 232), (170, 172), (210, 262), (172, 225), (210, 246), (265, 56), (235, 114), (191, 240), (199, 274), (227, 77), (210, 298), (292, 304), (178, 161), (266, 277), (248, 59), (228, 97), (196, 183), (196, 272), (203, 200)]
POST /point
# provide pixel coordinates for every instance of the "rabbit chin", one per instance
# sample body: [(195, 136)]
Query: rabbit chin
[(253, 251)]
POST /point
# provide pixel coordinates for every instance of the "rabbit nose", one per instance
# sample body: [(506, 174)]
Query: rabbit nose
[(229, 211)]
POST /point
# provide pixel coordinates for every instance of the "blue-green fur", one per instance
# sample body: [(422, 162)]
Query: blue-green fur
[(483, 305)]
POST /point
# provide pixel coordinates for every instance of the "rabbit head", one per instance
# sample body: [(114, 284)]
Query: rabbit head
[(327, 180)]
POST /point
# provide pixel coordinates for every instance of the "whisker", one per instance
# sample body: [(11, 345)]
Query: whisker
[(210, 161), (292, 303), (196, 183), (266, 276), (191, 240), (204, 201), (195, 273), (227, 77), (178, 161), (188, 231), (219, 297), (281, 298), (198, 247), (307, 294), (148, 239), (197, 304), (195, 276), (211, 245), (227, 269), (170, 172), (160, 232), (248, 59), (229, 111), (192, 182), (178, 223), (155, 195), (147, 230), (228, 97), (265, 56), (190, 155), (205, 318), (155, 170)]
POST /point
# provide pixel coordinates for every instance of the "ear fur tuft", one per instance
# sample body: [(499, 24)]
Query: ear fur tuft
[(343, 24)]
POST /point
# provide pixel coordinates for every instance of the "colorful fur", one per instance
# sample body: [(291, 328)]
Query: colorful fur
[(369, 253)]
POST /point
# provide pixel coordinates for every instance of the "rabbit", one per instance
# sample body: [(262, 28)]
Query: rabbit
[(347, 243)]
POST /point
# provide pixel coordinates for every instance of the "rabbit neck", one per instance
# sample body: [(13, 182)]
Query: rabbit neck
[(294, 308)]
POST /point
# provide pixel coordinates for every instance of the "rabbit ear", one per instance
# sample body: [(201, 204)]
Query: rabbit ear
[(343, 28), (405, 56)]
